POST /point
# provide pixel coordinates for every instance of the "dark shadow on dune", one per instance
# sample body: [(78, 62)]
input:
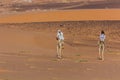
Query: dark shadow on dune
[(100, 5), (46, 6), (65, 6), (19, 54), (91, 44)]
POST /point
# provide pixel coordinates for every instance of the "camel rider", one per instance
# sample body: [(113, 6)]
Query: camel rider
[(101, 45), (60, 35), (60, 45)]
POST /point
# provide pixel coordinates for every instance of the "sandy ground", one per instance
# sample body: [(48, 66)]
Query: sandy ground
[(69, 15), (28, 51), (23, 5), (28, 43)]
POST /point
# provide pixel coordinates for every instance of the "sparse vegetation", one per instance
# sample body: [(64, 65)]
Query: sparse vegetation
[(78, 55), (81, 60)]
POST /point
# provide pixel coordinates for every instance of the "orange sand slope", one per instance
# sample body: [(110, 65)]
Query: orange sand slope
[(28, 51), (70, 15)]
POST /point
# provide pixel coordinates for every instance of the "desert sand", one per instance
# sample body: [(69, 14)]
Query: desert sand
[(28, 51), (64, 15), (28, 40)]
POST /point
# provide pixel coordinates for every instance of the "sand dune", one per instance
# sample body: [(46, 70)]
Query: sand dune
[(71, 15), (28, 51), (23, 5), (28, 40)]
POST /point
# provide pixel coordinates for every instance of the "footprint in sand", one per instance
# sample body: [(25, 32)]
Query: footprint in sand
[(49, 69), (32, 67), (4, 71), (81, 60), (89, 69), (32, 60), (3, 62)]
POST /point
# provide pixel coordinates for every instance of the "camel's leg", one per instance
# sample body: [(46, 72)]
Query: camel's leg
[(60, 50), (100, 51), (103, 48), (57, 50)]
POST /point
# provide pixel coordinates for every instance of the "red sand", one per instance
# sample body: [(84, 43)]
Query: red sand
[(70, 15), (28, 52)]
